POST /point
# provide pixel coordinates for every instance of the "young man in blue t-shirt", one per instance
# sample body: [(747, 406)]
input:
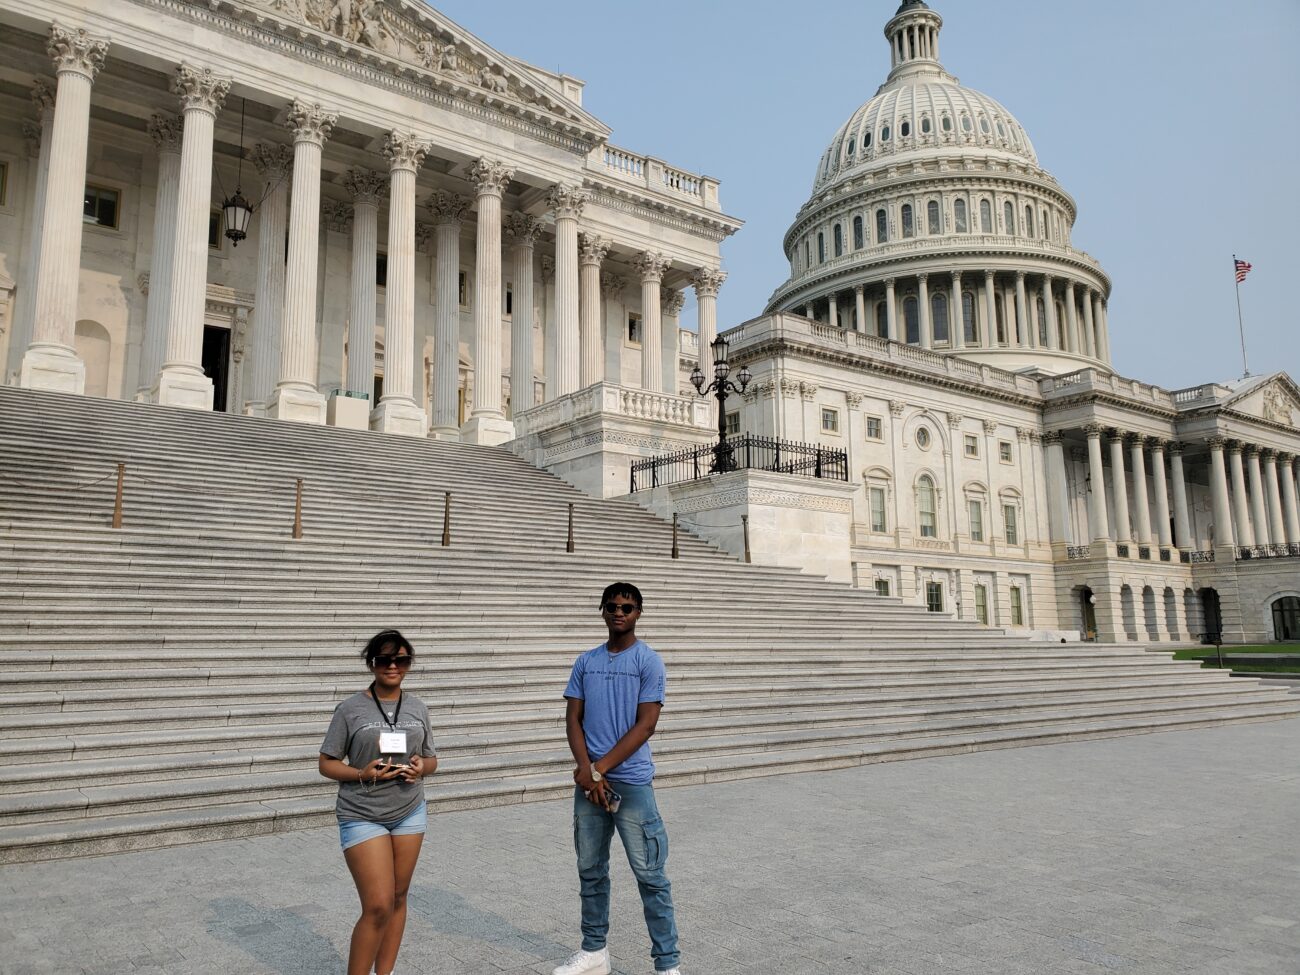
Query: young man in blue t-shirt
[(615, 694)]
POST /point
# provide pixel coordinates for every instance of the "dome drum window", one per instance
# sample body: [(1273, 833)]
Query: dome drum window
[(926, 126), (946, 123), (884, 134), (882, 227), (909, 226), (933, 226), (905, 128), (959, 217), (984, 125)]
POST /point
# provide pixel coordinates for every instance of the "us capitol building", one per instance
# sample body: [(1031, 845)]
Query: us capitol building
[(354, 212)]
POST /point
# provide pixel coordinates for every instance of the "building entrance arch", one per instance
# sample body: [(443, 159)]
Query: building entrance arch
[(1210, 615), (1286, 618), (1087, 613)]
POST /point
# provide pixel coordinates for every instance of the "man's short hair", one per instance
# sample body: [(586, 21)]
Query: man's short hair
[(621, 589)]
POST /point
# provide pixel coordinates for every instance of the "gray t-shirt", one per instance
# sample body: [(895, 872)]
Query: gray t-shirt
[(354, 735)]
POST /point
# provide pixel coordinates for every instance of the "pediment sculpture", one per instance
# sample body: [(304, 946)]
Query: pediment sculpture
[(1277, 405)]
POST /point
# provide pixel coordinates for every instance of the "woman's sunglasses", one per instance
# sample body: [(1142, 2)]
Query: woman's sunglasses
[(385, 660)]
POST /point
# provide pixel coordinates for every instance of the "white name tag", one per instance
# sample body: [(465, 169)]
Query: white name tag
[(392, 743)]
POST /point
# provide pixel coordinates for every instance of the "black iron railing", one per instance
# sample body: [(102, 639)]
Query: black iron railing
[(1196, 558), (746, 452)]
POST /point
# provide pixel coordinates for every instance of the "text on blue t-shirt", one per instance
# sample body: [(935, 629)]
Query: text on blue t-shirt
[(611, 685)]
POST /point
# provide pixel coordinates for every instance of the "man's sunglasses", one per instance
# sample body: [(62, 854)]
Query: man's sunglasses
[(385, 660), (627, 609)]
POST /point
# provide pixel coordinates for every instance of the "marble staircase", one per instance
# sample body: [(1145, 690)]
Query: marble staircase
[(170, 680)]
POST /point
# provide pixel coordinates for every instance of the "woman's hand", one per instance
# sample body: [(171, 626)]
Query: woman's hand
[(418, 769), (379, 771)]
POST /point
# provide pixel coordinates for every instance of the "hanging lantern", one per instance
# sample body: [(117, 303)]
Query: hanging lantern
[(237, 212)]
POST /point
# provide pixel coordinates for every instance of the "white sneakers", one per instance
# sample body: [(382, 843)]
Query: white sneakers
[(586, 963), (670, 971)]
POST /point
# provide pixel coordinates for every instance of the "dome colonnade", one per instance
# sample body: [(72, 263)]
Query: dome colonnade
[(931, 223)]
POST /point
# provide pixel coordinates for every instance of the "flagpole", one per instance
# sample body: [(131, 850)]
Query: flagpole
[(1241, 328)]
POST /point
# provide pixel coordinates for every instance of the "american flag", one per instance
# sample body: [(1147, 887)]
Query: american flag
[(1243, 268)]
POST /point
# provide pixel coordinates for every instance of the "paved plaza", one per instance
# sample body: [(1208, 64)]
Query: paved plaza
[(1156, 854)]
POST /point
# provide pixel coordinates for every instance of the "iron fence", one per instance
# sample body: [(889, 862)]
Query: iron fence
[(747, 452)]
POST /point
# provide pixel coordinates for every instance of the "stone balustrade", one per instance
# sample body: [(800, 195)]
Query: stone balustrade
[(613, 400), (654, 175)]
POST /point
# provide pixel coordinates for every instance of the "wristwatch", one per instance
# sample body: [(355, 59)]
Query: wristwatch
[(595, 776)]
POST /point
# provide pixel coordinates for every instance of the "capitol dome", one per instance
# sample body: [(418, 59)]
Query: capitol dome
[(932, 223)]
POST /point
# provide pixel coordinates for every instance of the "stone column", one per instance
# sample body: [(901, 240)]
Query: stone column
[(566, 203), (166, 133), (1071, 318), (671, 302), (398, 411), (448, 210), (1273, 498), (707, 281), (1161, 489), (1022, 313), (523, 231), (592, 250), (926, 326), (1223, 534), (1291, 511), (1182, 523), (1049, 309), (1089, 326), (891, 311), (273, 162), (182, 382), (1058, 499), (487, 423), (295, 396), (956, 319), (859, 309), (990, 337), (832, 311), (651, 267), (38, 134), (808, 310), (1140, 497), (1103, 332), (1119, 485), (1240, 499), (1258, 511), (51, 360), (366, 188), (1097, 520), (612, 288)]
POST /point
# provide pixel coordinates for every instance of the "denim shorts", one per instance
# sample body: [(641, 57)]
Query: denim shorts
[(354, 831)]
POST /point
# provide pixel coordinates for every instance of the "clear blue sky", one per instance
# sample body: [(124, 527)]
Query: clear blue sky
[(1175, 124)]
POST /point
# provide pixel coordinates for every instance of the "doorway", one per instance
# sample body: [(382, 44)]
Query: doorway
[(1286, 618), (216, 363), (1211, 615), (1088, 613)]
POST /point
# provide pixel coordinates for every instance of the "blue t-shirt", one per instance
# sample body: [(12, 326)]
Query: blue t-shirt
[(610, 687)]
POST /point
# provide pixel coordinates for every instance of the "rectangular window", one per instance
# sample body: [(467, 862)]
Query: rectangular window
[(1009, 519), (100, 207), (879, 521), (882, 587), (461, 288), (972, 446), (381, 270), (830, 420), (510, 299), (982, 604), (1004, 451), (4, 183), (934, 597), (1017, 607), (874, 429), (975, 511), (733, 424), (214, 229), (634, 328)]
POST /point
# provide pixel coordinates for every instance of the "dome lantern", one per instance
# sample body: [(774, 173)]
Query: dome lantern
[(913, 38)]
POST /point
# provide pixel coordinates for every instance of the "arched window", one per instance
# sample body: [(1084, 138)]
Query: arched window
[(939, 317), (1042, 323), (926, 126), (970, 327), (1002, 131), (857, 233), (911, 321), (1029, 221), (821, 247), (984, 125), (965, 123), (932, 217), (986, 217), (851, 145), (909, 227), (905, 128), (926, 507), (882, 320), (959, 216), (839, 240), (882, 226), (1009, 218), (866, 141), (884, 134), (946, 123)]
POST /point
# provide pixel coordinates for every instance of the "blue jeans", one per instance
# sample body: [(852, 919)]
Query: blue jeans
[(646, 843)]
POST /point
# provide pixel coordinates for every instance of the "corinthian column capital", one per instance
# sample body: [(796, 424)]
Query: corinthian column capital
[(447, 207), (166, 131), (310, 123), (42, 99), (273, 161), (566, 201), (200, 89), (365, 185), (491, 177), (611, 284), (405, 151), (671, 300), (523, 229), (592, 249), (651, 266), (707, 281), (76, 51)]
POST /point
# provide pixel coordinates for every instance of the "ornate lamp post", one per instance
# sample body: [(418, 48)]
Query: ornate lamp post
[(721, 387)]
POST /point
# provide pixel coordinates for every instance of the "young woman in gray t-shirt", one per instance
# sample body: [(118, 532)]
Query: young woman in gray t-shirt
[(385, 738)]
